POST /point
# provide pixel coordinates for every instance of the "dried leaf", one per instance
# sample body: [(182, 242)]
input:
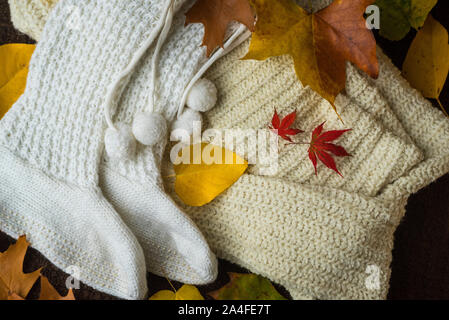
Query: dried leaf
[(320, 43), (247, 287), (216, 15), (321, 147), (186, 292), (13, 282), (397, 17), (12, 296), (282, 128), (427, 63), (48, 292), (199, 180), (13, 73)]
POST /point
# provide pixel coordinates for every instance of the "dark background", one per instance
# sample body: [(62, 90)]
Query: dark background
[(420, 268)]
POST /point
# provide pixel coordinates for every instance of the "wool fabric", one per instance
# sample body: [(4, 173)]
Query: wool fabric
[(322, 237), (53, 150)]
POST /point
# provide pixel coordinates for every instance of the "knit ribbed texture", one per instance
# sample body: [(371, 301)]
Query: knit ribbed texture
[(173, 245), (320, 236), (180, 58), (369, 144), (66, 140)]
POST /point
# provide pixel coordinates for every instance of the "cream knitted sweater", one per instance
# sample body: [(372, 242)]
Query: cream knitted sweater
[(321, 236)]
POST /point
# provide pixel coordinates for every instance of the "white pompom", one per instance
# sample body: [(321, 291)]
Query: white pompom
[(120, 142), (149, 128), (183, 126), (203, 95)]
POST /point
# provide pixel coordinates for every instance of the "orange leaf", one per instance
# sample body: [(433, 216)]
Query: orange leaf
[(341, 35), (216, 15), (12, 296), (48, 292), (13, 282)]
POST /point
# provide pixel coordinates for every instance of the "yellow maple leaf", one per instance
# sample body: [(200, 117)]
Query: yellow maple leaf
[(199, 181), (319, 43), (15, 284), (186, 292), (13, 73), (427, 63)]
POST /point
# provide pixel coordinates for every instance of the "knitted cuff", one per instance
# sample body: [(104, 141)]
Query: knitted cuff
[(426, 125)]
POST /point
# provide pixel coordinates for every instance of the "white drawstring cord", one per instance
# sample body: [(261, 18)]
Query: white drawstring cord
[(150, 127), (239, 36), (135, 60), (160, 42)]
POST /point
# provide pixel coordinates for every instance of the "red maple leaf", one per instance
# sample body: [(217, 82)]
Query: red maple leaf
[(321, 147), (282, 128)]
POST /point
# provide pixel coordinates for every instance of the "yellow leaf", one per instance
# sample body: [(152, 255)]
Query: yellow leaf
[(319, 43), (247, 287), (427, 63), (13, 282), (13, 73), (199, 180), (164, 295), (186, 292)]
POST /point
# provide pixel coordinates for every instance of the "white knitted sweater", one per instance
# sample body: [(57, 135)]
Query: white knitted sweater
[(52, 145)]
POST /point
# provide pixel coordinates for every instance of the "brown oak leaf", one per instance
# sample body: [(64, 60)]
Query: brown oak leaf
[(14, 284), (216, 15), (48, 292)]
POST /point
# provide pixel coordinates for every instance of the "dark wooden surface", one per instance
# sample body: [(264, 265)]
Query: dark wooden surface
[(420, 268)]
